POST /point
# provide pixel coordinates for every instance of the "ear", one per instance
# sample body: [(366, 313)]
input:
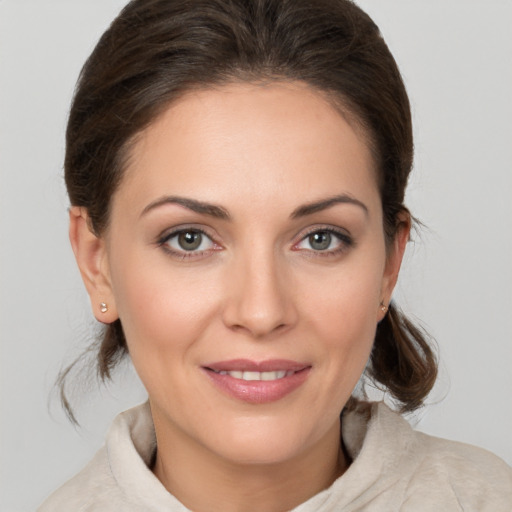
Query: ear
[(394, 258), (91, 256)]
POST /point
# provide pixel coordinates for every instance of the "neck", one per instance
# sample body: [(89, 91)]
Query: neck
[(205, 482)]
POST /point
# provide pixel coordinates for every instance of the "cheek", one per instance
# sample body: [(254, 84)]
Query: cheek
[(348, 332), (160, 310), (343, 314), (347, 296), (164, 316)]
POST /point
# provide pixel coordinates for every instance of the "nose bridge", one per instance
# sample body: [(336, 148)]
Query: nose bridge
[(259, 301)]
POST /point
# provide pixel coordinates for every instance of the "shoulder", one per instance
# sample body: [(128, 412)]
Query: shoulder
[(397, 468), (471, 476), (118, 477), (92, 486), (442, 471)]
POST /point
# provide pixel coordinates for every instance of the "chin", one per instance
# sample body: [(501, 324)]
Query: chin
[(266, 440)]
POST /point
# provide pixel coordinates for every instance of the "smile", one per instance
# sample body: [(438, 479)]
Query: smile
[(250, 375), (257, 382)]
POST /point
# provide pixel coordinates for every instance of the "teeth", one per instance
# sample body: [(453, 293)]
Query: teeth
[(279, 374), (250, 376)]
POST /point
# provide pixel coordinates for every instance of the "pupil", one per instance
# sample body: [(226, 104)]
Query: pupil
[(189, 240), (320, 241)]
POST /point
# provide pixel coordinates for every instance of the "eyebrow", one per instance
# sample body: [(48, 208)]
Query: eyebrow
[(323, 204), (220, 213), (192, 204)]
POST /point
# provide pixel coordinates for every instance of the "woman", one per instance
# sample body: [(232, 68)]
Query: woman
[(237, 174)]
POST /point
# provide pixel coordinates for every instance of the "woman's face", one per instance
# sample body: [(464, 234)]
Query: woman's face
[(246, 260)]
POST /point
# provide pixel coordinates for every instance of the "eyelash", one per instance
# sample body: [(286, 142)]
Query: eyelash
[(346, 242), (164, 239)]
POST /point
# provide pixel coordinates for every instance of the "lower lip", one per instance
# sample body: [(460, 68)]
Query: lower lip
[(258, 391)]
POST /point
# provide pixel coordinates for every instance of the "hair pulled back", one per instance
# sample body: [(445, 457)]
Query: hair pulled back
[(157, 50)]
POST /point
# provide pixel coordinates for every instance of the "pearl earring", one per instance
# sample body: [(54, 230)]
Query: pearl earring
[(103, 307), (383, 307)]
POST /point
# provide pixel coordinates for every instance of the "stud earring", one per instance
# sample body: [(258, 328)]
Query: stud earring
[(103, 307), (383, 307)]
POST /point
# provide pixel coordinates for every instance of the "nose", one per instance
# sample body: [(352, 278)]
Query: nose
[(260, 297)]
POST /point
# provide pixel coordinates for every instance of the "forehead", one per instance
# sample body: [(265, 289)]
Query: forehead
[(259, 140)]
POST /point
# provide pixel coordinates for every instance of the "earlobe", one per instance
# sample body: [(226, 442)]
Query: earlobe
[(394, 259), (91, 257)]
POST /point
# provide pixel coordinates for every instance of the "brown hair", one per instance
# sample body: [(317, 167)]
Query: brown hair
[(156, 50)]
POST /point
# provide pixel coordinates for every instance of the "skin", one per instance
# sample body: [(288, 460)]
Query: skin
[(257, 289)]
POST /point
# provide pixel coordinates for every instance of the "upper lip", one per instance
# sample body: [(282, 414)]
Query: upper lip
[(269, 365)]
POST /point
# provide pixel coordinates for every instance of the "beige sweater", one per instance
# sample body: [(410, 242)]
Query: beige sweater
[(394, 469)]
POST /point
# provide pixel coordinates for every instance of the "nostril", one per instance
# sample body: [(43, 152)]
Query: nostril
[(258, 331)]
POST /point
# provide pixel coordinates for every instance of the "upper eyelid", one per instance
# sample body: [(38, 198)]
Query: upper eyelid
[(346, 240), (182, 254), (170, 232), (319, 228)]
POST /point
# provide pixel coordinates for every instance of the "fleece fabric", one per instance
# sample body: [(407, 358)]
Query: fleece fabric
[(394, 469)]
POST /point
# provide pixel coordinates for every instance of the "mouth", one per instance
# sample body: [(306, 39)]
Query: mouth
[(257, 382), (253, 376)]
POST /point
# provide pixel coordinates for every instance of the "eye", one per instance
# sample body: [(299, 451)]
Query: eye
[(187, 242), (320, 241), (327, 241)]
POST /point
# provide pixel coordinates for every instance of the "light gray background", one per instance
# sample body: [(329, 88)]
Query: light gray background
[(455, 56)]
